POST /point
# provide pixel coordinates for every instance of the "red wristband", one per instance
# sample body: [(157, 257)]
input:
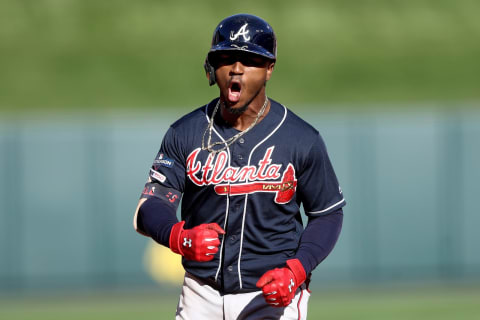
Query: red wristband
[(298, 271), (175, 237)]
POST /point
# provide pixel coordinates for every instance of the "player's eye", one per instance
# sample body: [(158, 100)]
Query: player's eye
[(247, 59), (223, 60), (252, 61)]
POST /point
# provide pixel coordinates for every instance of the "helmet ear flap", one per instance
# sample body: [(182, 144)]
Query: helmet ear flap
[(210, 70)]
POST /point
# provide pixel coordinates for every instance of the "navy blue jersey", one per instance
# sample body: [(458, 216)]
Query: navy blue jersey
[(253, 189)]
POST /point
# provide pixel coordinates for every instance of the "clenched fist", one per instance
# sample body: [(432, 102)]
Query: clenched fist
[(199, 243), (279, 285)]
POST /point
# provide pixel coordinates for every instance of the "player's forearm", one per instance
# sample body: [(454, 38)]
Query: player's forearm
[(156, 219), (319, 239)]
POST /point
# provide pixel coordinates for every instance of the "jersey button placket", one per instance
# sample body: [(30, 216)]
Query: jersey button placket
[(232, 243)]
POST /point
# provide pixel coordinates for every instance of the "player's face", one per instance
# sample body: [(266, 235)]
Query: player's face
[(241, 77)]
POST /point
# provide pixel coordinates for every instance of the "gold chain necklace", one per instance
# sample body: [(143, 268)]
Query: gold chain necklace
[(227, 143)]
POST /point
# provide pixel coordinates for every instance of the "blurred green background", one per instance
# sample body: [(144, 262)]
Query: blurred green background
[(88, 88), (143, 54)]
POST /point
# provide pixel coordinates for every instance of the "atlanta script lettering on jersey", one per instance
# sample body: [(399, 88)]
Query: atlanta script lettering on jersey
[(215, 171)]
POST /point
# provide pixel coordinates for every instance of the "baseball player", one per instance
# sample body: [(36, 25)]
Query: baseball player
[(242, 164)]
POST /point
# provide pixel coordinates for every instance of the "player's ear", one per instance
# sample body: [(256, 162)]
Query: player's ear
[(270, 67)]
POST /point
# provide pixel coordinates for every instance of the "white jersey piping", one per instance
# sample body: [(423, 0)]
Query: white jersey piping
[(325, 210), (228, 197), (246, 196)]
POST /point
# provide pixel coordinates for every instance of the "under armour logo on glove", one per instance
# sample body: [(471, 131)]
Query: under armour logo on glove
[(199, 243), (278, 285), (187, 242), (290, 286)]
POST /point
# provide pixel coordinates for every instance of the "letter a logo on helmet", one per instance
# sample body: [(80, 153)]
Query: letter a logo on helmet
[(241, 32)]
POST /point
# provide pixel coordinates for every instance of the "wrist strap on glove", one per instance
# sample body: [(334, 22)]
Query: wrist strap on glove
[(298, 271), (174, 241)]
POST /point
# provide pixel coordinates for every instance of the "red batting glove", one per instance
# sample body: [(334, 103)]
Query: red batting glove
[(279, 285), (199, 243)]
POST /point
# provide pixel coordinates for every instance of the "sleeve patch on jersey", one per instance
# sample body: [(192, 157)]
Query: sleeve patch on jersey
[(157, 190), (157, 176), (164, 161)]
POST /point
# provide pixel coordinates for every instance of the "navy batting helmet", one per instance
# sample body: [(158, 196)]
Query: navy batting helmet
[(242, 32)]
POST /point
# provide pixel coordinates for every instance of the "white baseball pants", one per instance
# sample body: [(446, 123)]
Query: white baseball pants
[(200, 301)]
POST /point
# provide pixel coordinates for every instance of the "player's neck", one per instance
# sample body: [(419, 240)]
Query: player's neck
[(244, 120)]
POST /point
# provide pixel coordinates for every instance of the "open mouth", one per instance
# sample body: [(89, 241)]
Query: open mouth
[(234, 91)]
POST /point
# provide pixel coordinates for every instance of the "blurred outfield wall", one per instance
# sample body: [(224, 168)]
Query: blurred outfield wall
[(69, 186), (63, 54)]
